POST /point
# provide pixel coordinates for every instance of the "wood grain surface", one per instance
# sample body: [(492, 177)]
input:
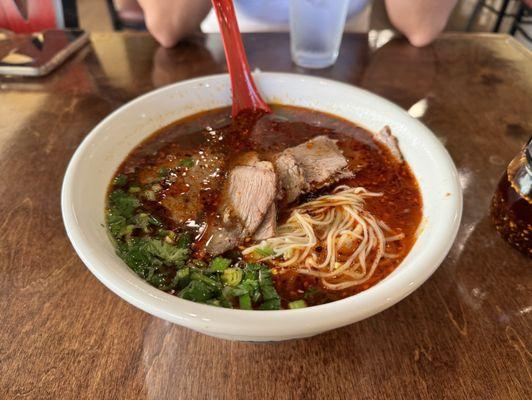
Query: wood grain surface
[(465, 334)]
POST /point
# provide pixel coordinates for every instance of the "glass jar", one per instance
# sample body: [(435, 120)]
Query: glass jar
[(511, 208)]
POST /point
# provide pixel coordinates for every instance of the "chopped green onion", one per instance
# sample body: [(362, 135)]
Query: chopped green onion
[(134, 189), (265, 251), (232, 276), (245, 302), (129, 229), (297, 304), (169, 240), (170, 235), (155, 222), (149, 195), (183, 273)]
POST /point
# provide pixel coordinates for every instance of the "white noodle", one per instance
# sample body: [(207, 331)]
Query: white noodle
[(339, 224)]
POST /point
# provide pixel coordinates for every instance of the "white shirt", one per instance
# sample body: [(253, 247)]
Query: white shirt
[(273, 15)]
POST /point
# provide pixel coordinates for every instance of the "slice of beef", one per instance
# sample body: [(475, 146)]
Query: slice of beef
[(268, 226), (320, 159), (311, 165), (290, 177), (390, 141), (248, 195)]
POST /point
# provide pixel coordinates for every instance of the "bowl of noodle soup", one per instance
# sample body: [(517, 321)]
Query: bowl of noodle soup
[(331, 235)]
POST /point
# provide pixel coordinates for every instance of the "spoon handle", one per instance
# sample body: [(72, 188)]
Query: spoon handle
[(245, 94)]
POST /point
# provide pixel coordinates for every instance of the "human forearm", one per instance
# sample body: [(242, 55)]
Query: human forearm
[(170, 20), (420, 20)]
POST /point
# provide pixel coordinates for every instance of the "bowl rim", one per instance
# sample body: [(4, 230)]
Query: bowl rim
[(280, 323)]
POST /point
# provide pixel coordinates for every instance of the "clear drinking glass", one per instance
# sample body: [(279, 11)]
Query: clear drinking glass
[(316, 28)]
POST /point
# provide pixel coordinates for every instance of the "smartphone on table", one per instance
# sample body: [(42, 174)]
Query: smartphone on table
[(39, 53)]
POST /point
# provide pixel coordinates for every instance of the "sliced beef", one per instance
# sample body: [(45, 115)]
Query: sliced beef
[(390, 141), (268, 226), (248, 196), (290, 177), (311, 165)]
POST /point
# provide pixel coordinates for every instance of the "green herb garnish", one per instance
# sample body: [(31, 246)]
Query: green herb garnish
[(121, 203), (187, 162), (265, 251), (310, 292), (219, 264), (120, 180), (163, 172), (232, 276), (245, 302), (197, 291), (162, 257), (297, 304), (272, 300), (185, 240)]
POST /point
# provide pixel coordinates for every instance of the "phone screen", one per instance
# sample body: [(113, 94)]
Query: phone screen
[(37, 49)]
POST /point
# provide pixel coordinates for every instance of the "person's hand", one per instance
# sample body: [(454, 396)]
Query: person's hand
[(169, 21)]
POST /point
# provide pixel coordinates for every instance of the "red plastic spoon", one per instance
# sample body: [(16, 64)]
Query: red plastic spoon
[(245, 94)]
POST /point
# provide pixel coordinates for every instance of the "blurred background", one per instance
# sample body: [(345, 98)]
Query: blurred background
[(505, 16)]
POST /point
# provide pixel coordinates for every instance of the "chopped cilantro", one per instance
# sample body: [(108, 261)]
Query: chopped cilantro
[(162, 257), (120, 180), (272, 301), (310, 292), (187, 162), (197, 291), (116, 224), (163, 172), (172, 255), (184, 241), (219, 264), (122, 203)]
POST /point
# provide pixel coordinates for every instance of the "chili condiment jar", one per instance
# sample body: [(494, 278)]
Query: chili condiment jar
[(511, 207)]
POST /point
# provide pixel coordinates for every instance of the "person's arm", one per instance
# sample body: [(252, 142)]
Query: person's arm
[(171, 20), (420, 20)]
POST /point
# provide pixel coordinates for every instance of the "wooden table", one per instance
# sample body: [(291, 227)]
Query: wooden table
[(465, 334)]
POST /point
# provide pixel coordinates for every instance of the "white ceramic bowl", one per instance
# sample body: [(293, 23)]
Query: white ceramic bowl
[(97, 158)]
